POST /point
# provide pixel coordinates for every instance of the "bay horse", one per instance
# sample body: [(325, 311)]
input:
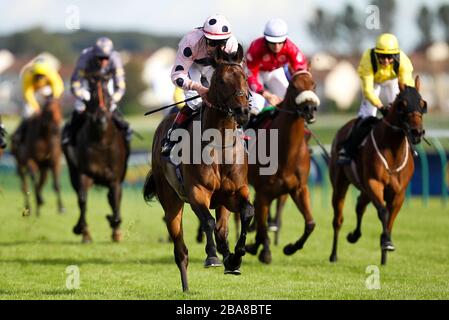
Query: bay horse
[(40, 151), (99, 157), (220, 186), (382, 168), (291, 177)]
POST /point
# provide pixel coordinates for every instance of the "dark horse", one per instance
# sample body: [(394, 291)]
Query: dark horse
[(39, 151), (293, 164), (382, 168), (2, 137), (208, 186), (99, 157)]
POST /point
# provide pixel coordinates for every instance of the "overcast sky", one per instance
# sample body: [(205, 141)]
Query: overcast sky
[(176, 17)]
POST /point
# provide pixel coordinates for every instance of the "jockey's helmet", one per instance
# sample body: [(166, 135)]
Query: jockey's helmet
[(276, 30), (40, 68), (217, 27), (387, 43), (103, 47)]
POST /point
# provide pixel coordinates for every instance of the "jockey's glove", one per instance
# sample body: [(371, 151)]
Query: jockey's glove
[(85, 94), (117, 96)]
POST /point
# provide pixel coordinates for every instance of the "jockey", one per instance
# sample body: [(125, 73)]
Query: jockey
[(193, 68), (2, 135), (266, 58), (380, 69), (40, 81), (100, 59)]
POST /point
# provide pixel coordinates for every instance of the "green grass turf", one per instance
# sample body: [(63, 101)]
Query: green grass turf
[(35, 252)]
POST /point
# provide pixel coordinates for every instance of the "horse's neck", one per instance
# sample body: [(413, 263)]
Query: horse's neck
[(290, 136), (388, 136), (215, 119)]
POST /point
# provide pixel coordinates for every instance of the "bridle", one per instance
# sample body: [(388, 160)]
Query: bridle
[(224, 107)]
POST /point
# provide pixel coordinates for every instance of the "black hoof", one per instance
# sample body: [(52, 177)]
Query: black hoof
[(252, 248), (290, 249), (232, 264), (62, 210), (212, 262), (78, 229), (199, 237), (333, 258), (388, 246), (353, 237), (265, 256)]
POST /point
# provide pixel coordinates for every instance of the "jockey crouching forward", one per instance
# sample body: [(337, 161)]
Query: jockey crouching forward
[(102, 60), (193, 67), (40, 82), (380, 69), (266, 58)]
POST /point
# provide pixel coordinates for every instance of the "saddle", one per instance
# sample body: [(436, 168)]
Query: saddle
[(263, 119)]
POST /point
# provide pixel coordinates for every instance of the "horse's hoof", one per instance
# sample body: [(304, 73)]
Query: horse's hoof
[(251, 248), (273, 227), (333, 258), (86, 239), (199, 237), (265, 256), (77, 230), (235, 272), (62, 210), (232, 264), (117, 236), (26, 212), (388, 246), (212, 262), (353, 237), (290, 249)]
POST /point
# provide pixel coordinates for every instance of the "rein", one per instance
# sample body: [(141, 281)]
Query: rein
[(384, 161)]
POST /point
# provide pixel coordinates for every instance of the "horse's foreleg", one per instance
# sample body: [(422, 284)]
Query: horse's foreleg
[(340, 187), (114, 198), (38, 188), (261, 204), (200, 201), (241, 204), (222, 230), (362, 202), (199, 233), (32, 169), (81, 226), (393, 207), (376, 193), (21, 171), (301, 198), (56, 172), (280, 203)]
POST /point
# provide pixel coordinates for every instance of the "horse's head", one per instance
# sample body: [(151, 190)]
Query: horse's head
[(301, 95), (229, 90), (409, 108), (98, 107), (51, 111)]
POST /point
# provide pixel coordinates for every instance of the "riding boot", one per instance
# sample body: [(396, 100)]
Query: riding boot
[(20, 134), (73, 127), (3, 144), (181, 119), (346, 152), (123, 126)]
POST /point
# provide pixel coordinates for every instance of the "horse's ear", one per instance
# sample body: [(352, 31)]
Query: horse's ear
[(417, 83), (219, 55), (401, 86), (239, 57)]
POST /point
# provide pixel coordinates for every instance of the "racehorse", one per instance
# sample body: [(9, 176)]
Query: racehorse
[(40, 151), (220, 186), (99, 157), (291, 177), (2, 138), (382, 168)]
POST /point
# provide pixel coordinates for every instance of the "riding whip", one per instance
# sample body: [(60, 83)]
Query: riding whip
[(174, 104)]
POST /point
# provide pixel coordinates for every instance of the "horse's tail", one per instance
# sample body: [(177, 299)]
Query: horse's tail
[(149, 187)]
